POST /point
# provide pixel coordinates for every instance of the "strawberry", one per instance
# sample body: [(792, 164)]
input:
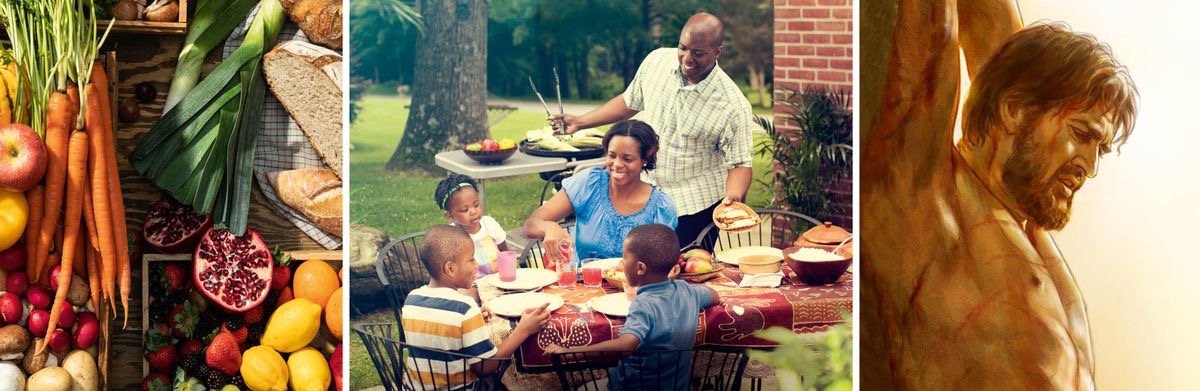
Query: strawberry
[(156, 382), (175, 277), (183, 318), (281, 275), (223, 354), (160, 348), (285, 296), (189, 346), (253, 316)]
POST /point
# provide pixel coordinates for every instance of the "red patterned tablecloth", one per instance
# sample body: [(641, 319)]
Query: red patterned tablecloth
[(803, 308)]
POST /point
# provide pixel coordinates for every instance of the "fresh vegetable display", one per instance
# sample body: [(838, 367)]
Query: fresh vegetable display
[(210, 134)]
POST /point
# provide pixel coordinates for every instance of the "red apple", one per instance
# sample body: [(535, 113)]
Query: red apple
[(489, 144), (22, 158)]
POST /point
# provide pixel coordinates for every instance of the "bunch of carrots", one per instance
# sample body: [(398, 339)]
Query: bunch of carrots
[(77, 214)]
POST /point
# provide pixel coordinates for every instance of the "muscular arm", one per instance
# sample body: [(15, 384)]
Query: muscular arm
[(737, 184), (984, 25), (914, 133)]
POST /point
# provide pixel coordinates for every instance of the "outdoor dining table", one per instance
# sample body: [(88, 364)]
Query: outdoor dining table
[(806, 310), (519, 163)]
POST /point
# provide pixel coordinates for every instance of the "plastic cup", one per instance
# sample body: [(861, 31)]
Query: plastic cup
[(566, 275), (507, 263), (593, 277)]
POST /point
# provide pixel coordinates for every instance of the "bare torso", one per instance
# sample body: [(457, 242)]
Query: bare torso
[(957, 292)]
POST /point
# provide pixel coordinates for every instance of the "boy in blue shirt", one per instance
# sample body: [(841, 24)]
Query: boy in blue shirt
[(662, 316)]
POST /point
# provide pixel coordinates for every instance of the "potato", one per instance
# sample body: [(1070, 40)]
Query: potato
[(50, 379), (82, 368), (11, 377), (32, 363), (78, 293)]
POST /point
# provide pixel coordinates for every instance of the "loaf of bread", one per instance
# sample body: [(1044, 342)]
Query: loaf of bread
[(314, 192), (307, 80), (321, 20)]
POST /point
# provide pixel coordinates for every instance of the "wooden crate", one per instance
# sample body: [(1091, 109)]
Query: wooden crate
[(157, 28), (334, 257)]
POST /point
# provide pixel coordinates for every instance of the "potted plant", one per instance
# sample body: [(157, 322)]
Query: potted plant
[(812, 165)]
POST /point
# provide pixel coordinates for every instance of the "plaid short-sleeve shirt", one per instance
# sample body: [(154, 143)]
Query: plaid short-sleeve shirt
[(704, 129)]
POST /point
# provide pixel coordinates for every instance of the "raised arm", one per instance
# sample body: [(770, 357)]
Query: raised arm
[(914, 133), (543, 223), (611, 112), (983, 26)]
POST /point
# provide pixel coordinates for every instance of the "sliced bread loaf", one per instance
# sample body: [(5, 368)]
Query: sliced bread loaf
[(307, 80)]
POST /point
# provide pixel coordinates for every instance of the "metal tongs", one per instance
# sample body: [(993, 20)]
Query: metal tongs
[(558, 94)]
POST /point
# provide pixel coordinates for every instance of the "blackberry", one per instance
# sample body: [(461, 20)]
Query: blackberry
[(215, 380), (234, 323), (255, 333), (238, 381), (159, 312), (192, 361), (209, 320), (202, 372)]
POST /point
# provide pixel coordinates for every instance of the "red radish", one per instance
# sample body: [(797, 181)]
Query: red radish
[(60, 341), (11, 308), (88, 330), (38, 296), (17, 282), (39, 321), (14, 258), (54, 278), (66, 318)]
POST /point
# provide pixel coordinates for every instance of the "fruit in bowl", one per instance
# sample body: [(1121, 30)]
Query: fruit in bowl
[(490, 151), (696, 261)]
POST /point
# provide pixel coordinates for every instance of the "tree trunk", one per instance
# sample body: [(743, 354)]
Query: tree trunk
[(449, 105), (758, 81), (564, 76), (581, 76)]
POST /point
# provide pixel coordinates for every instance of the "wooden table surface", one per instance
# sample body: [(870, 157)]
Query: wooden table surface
[(151, 58)]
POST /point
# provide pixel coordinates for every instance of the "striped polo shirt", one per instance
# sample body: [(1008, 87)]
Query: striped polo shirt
[(704, 129), (442, 318)]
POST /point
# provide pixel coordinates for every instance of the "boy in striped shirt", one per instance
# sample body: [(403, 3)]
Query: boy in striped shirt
[(439, 317)]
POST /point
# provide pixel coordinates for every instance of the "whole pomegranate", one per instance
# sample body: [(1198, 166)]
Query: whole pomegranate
[(172, 227), (233, 272)]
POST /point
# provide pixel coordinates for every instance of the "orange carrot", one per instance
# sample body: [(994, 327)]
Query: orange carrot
[(97, 167), (33, 229), (73, 93), (89, 218), (76, 171), (58, 127), (117, 202), (93, 276)]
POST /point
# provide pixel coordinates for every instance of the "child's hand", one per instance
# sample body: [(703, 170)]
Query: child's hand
[(487, 314), (554, 349), (533, 320)]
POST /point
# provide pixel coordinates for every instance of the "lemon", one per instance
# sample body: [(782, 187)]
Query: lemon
[(293, 325), (309, 371), (264, 370)]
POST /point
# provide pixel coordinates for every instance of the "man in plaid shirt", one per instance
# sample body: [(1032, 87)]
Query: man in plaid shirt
[(702, 119)]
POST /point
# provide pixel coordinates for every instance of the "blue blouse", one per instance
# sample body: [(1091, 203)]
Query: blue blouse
[(599, 230)]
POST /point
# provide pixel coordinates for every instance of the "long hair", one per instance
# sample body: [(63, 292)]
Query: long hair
[(1048, 68)]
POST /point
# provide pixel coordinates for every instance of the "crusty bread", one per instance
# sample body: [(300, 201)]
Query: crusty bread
[(321, 20), (314, 192), (307, 81)]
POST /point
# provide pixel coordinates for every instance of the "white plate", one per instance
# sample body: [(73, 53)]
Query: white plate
[(612, 304), (515, 304), (734, 256), (527, 279), (603, 264)]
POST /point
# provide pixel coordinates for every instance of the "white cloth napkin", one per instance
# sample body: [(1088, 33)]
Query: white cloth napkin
[(764, 280)]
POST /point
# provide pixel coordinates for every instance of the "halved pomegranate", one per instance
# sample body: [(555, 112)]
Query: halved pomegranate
[(233, 272), (172, 227)]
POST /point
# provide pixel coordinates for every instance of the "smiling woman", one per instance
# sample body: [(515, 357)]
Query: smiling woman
[(607, 202)]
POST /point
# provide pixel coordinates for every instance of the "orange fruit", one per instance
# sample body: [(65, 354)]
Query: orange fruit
[(315, 280), (333, 313)]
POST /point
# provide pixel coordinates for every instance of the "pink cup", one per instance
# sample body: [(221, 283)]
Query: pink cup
[(507, 263)]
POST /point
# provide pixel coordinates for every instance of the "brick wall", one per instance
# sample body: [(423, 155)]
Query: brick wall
[(814, 42)]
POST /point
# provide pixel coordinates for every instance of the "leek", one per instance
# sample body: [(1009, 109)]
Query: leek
[(202, 150), (209, 27)]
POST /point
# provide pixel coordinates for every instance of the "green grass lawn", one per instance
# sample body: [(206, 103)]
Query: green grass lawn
[(402, 202)]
